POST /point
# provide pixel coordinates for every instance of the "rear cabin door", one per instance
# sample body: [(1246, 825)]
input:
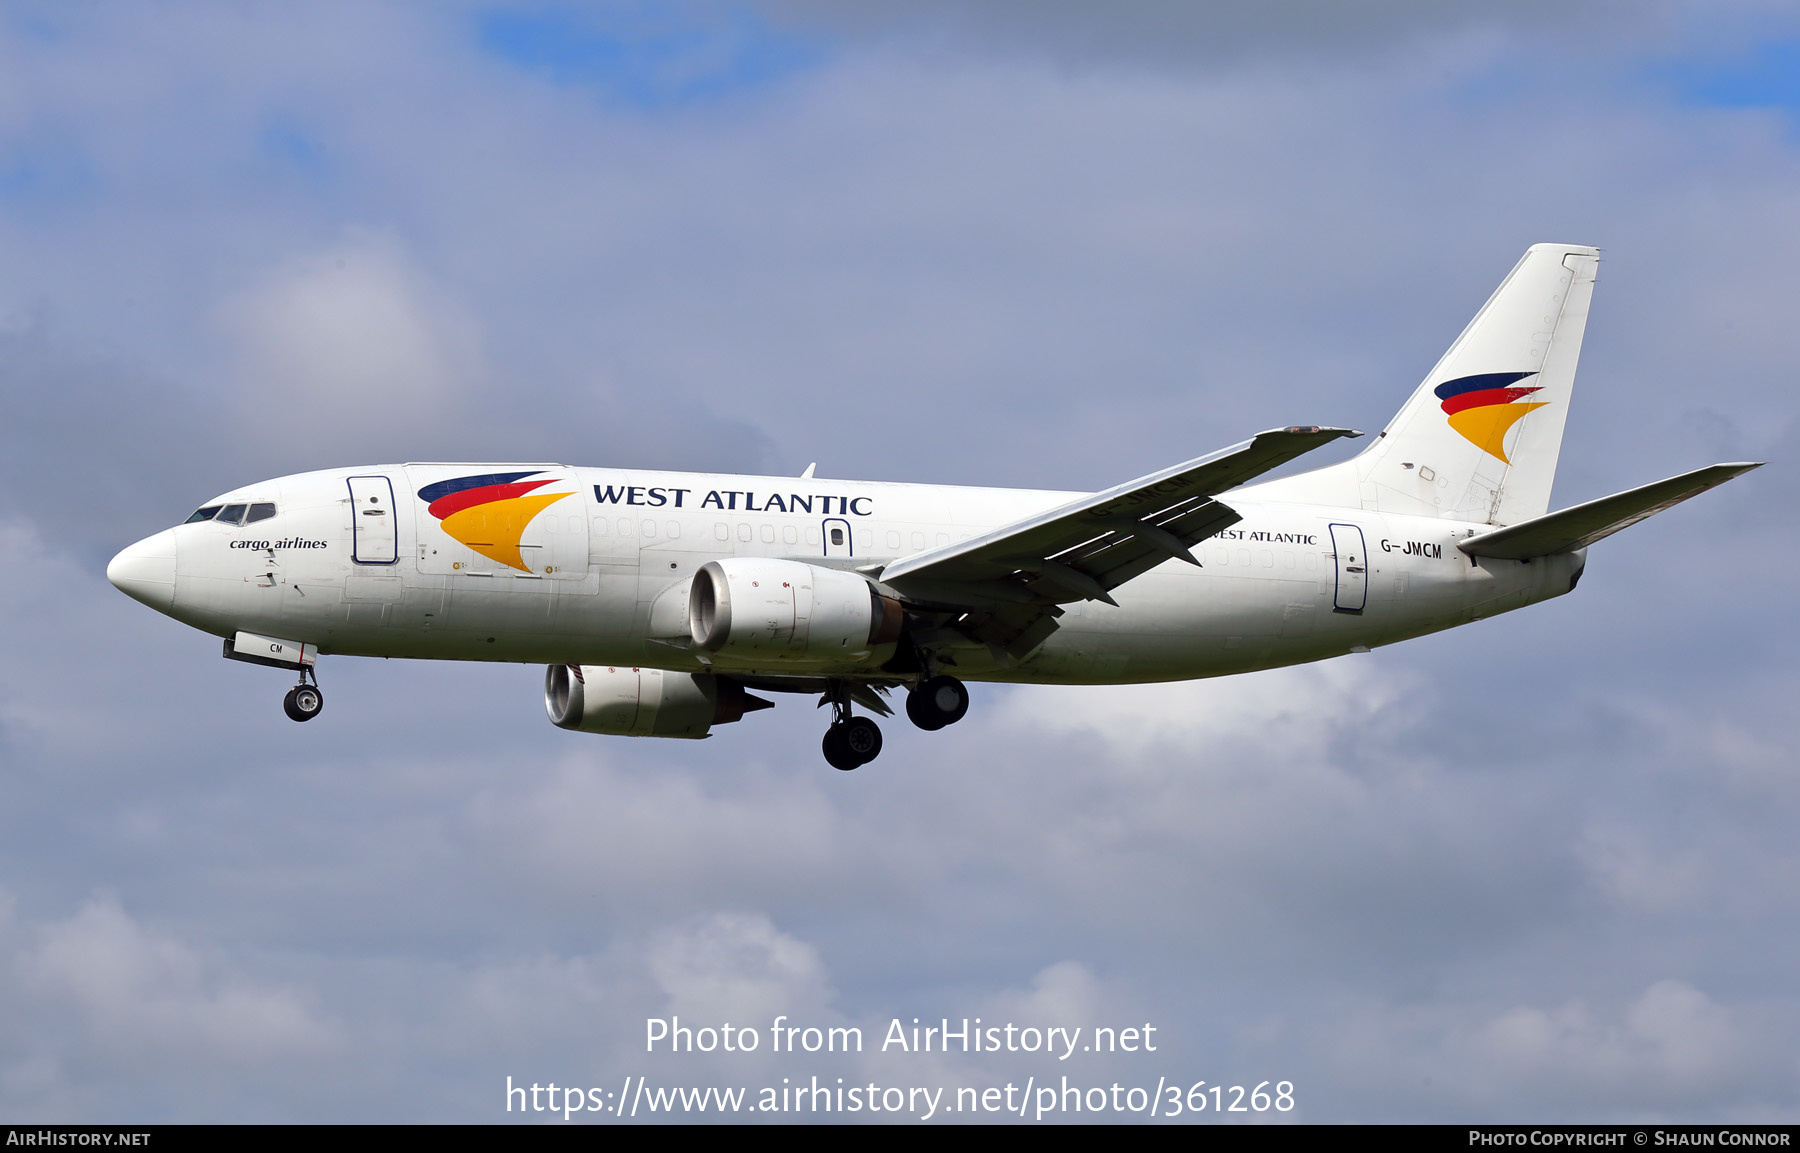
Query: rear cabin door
[(372, 539), (1352, 569)]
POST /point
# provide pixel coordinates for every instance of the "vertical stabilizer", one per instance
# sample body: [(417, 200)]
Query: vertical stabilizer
[(1479, 439)]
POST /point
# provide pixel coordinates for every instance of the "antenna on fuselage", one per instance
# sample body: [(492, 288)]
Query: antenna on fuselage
[(807, 475)]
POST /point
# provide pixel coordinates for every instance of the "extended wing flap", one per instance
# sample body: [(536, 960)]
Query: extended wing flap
[(1112, 536), (1582, 525)]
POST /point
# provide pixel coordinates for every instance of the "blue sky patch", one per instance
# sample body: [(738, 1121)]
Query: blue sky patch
[(284, 139), (648, 56), (47, 176), (1767, 77)]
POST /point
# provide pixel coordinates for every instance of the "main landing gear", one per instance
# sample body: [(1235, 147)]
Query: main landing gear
[(852, 742), (936, 702), (304, 702)]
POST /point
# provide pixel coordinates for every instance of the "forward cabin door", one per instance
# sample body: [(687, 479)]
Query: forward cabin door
[(372, 537), (1352, 569)]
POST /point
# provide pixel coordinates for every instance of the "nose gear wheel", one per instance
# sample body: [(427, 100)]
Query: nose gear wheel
[(303, 702)]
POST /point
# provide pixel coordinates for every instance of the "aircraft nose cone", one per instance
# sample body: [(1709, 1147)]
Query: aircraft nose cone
[(146, 571)]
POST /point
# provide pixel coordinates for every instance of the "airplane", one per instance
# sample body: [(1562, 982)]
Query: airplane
[(662, 603)]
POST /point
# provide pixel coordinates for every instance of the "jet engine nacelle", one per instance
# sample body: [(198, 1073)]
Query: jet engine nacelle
[(760, 609), (642, 702)]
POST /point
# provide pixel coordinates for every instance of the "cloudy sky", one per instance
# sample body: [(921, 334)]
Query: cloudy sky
[(1539, 868)]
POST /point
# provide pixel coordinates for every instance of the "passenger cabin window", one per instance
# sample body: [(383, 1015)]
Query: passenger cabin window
[(232, 514), (259, 512), (201, 514)]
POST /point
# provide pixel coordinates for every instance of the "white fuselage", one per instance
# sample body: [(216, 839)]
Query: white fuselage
[(611, 562)]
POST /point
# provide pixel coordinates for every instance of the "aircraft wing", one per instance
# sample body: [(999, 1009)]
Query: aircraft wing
[(1017, 574), (1582, 525)]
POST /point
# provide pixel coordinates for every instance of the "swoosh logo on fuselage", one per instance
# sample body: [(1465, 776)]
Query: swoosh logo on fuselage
[(488, 513)]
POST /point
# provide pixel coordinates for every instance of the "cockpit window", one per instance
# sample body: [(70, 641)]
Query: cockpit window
[(232, 513)]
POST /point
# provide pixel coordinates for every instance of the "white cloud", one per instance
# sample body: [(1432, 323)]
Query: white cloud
[(737, 967), (1637, 874), (656, 836), (1065, 994), (1666, 1050), (1311, 706), (1673, 1039), (145, 995), (353, 335)]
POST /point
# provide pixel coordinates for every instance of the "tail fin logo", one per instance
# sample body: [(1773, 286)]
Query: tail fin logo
[(1484, 408), (489, 513)]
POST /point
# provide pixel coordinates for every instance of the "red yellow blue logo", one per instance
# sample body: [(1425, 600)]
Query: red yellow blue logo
[(1484, 408), (489, 513)]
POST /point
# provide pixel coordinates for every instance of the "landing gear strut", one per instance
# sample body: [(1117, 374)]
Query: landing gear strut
[(850, 742), (936, 702), (304, 702)]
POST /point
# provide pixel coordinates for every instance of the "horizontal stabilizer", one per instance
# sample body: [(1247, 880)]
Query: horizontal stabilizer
[(1582, 525)]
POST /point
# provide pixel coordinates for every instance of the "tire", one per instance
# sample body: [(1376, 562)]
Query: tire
[(862, 737), (837, 753), (920, 712), (937, 702), (303, 703)]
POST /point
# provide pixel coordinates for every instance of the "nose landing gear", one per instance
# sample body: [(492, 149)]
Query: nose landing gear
[(304, 702)]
